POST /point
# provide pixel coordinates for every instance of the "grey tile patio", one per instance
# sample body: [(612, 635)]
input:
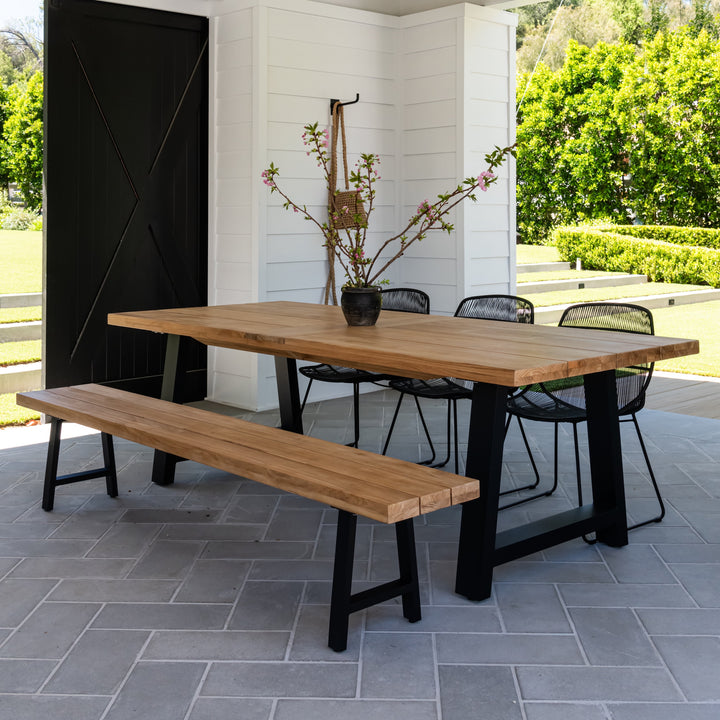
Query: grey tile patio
[(209, 598)]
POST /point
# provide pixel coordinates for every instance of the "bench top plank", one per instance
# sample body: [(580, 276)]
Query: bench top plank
[(375, 486)]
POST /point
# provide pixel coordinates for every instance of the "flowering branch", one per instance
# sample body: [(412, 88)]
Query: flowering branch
[(349, 248)]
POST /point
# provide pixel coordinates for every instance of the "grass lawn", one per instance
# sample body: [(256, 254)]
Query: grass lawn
[(692, 321), (15, 353), (11, 414), (16, 315), (21, 253), (568, 297), (527, 254)]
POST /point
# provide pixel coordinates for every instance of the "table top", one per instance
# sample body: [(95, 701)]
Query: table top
[(409, 344)]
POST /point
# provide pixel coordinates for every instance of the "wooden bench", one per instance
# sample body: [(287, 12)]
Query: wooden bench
[(354, 481)]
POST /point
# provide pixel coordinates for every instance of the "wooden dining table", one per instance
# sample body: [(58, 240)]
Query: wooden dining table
[(495, 356)]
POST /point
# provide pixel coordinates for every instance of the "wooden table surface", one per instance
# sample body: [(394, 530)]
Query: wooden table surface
[(409, 344)]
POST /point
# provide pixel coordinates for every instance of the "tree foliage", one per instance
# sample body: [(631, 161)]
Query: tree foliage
[(622, 133), (21, 146)]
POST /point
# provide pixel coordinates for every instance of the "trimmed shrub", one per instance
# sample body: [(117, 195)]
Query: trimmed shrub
[(600, 249)]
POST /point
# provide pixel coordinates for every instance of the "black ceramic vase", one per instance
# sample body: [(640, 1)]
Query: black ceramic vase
[(361, 306)]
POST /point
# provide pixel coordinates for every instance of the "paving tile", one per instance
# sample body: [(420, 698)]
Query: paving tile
[(328, 680), (666, 711), (694, 663), (25, 531), (398, 665), (566, 711), (531, 608), (70, 568), (170, 516), (167, 559), (310, 636), (508, 649), (162, 691), (248, 508), (296, 570), (50, 631), (38, 707), (162, 616), (354, 710), (267, 606), (127, 590), (689, 553), (478, 691), (231, 708), (613, 636), (293, 524), (87, 525), (552, 572), (24, 676), (213, 581), (434, 619), (98, 663), (258, 550), (46, 548), (597, 684), (637, 596), (210, 531), (701, 581), (636, 564), (18, 598), (681, 622), (216, 645), (124, 541)]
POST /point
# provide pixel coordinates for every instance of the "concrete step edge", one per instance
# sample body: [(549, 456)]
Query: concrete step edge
[(545, 267), (16, 300), (19, 378), (16, 332), (553, 313), (580, 283)]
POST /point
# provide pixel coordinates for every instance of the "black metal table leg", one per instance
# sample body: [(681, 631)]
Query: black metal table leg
[(163, 471), (288, 394), (340, 602), (476, 549), (603, 426), (407, 560)]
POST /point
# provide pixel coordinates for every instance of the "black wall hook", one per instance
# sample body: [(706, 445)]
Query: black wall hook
[(335, 102)]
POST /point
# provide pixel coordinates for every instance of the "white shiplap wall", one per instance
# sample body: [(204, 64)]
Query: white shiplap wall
[(433, 101)]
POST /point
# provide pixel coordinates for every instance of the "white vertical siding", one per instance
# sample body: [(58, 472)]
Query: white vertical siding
[(435, 91)]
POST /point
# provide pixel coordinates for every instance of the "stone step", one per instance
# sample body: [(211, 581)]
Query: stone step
[(580, 283), (545, 267), (15, 332), (553, 313), (19, 378), (16, 300)]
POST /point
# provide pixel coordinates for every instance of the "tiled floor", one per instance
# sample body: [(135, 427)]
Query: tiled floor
[(208, 599)]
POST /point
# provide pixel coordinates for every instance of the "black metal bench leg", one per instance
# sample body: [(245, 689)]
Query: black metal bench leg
[(342, 580), (343, 602), (407, 560), (109, 460), (51, 465), (53, 480)]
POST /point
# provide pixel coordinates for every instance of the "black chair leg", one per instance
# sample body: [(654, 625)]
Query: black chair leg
[(659, 517), (424, 425), (356, 414), (444, 462), (305, 397), (533, 485)]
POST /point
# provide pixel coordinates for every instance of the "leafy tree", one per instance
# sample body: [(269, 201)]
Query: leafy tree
[(628, 14), (669, 108), (571, 153), (4, 173), (22, 138), (703, 19)]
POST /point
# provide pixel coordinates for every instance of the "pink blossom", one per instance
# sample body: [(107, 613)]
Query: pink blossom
[(483, 177)]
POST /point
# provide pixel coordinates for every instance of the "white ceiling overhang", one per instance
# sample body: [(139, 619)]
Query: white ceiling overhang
[(407, 7)]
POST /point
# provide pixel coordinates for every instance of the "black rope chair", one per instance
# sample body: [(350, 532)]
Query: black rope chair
[(564, 400), (402, 299), (507, 308)]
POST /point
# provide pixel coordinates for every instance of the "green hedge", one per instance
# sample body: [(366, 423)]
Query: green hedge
[(600, 249), (702, 237)]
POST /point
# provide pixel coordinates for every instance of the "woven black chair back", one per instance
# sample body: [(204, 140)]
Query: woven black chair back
[(508, 308), (632, 381), (405, 300)]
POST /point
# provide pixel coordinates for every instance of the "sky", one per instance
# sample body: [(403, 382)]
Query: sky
[(18, 10)]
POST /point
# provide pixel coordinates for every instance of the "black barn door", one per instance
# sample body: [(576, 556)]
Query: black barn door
[(126, 182)]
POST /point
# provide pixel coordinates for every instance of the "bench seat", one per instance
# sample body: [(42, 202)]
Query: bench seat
[(356, 482)]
